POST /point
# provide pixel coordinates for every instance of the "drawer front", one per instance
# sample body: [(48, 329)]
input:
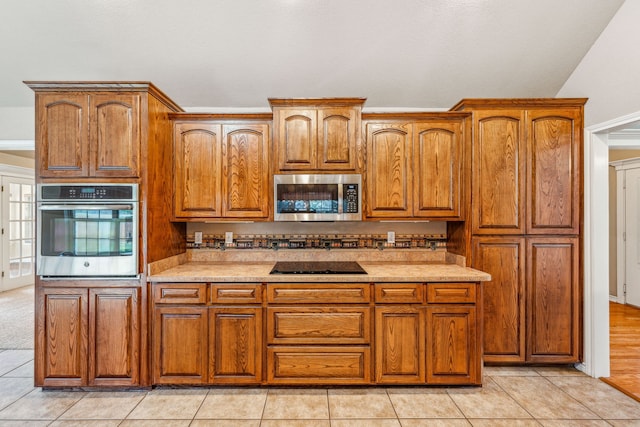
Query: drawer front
[(237, 293), (319, 293), (451, 293), (319, 325), (399, 293), (180, 293), (319, 365)]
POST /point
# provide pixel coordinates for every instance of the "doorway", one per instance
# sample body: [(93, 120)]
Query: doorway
[(17, 220), (621, 132)]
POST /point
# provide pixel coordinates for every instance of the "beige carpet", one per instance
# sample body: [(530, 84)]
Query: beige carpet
[(16, 318)]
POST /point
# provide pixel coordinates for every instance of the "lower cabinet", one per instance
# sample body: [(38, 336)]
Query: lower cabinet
[(198, 342), (532, 304), (315, 334), (88, 336), (180, 345), (235, 345)]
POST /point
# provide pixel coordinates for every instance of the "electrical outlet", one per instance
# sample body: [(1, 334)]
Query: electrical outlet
[(391, 236), (198, 238), (228, 238)]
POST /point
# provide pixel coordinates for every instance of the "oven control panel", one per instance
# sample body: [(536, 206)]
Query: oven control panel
[(69, 192)]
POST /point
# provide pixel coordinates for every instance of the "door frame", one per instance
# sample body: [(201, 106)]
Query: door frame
[(20, 172), (596, 244)]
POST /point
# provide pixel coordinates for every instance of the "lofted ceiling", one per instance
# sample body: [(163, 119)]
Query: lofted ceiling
[(228, 54)]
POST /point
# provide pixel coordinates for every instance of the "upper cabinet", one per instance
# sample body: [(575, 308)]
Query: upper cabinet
[(316, 135), (526, 165), (221, 168), (94, 130), (414, 165)]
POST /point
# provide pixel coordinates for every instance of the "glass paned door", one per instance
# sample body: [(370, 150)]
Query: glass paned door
[(18, 237)]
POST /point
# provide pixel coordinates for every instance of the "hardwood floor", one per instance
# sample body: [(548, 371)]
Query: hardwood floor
[(624, 332)]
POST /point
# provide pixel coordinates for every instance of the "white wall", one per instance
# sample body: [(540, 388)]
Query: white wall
[(17, 123), (609, 73)]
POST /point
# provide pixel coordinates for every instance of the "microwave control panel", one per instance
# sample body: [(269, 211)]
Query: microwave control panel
[(350, 197)]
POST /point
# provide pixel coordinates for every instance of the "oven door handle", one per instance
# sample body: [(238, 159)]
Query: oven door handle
[(84, 207)]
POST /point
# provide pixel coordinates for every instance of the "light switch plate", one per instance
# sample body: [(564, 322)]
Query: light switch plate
[(228, 237), (391, 236), (198, 237)]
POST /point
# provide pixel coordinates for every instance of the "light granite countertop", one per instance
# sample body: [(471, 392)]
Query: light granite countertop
[(397, 271)]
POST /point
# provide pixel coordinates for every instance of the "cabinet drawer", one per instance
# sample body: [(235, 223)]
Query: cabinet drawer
[(319, 325), (319, 293), (443, 293), (319, 365), (237, 293), (399, 293), (180, 293)]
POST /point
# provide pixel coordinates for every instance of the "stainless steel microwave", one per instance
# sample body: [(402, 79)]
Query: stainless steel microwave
[(317, 197)]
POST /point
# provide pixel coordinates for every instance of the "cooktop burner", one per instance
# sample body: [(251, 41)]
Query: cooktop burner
[(317, 267)]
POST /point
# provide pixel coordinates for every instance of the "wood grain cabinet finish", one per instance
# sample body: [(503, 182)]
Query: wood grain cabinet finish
[(221, 170), (317, 334), (316, 134), (453, 345), (504, 297), (62, 337), (235, 345), (88, 337), (400, 344), (553, 299), (527, 185), (414, 166), (180, 345), (88, 134), (114, 332)]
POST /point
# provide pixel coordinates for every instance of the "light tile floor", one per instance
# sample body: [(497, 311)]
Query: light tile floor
[(509, 397)]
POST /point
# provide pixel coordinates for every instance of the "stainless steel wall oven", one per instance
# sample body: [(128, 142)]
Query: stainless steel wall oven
[(87, 230)]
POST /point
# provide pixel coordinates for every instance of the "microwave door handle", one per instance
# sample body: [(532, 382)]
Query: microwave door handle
[(84, 207)]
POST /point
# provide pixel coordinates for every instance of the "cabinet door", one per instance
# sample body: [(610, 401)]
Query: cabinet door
[(62, 134), (245, 181), (555, 162), (296, 138), (498, 172), (453, 354), (235, 354), (338, 133), (114, 135), (61, 337), (503, 296), (114, 336), (389, 181), (553, 300), (197, 170), (400, 344), (437, 150), (180, 345)]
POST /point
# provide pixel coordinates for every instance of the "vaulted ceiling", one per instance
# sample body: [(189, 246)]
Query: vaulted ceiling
[(227, 54)]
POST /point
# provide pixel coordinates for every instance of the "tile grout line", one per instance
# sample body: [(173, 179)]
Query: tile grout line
[(514, 399)]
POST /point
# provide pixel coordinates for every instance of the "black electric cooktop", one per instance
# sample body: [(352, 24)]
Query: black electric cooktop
[(317, 267)]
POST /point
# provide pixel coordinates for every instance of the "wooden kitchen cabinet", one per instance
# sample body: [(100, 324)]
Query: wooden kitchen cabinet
[(504, 296), (180, 345), (62, 337), (553, 299), (453, 345), (221, 169), (527, 189), (235, 345), (414, 165), (316, 134), (114, 335), (83, 134), (400, 344), (88, 336)]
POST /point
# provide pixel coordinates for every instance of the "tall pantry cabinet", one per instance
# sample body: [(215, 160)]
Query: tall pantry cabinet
[(526, 210)]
